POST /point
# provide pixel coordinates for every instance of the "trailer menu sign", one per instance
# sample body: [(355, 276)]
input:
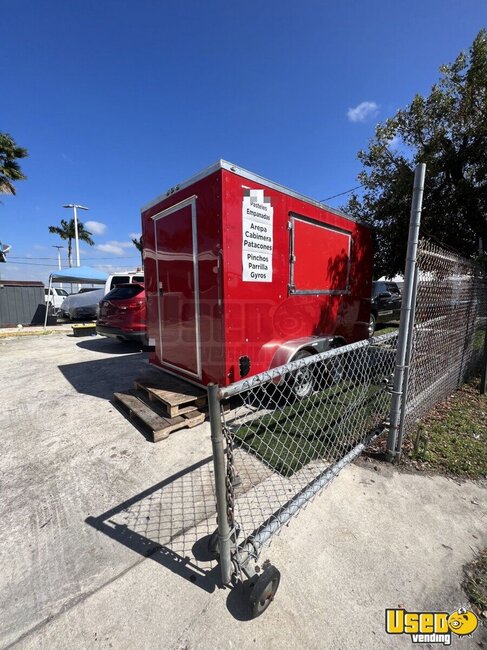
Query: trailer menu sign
[(257, 236)]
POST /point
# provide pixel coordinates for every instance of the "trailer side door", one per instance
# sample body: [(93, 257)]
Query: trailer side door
[(178, 344)]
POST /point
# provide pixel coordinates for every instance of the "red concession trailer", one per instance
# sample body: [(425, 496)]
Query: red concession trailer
[(243, 274)]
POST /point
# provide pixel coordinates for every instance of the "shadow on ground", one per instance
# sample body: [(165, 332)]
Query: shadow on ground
[(108, 346), (102, 377), (167, 521), (171, 523)]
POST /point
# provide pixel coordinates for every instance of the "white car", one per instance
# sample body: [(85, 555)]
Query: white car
[(82, 305), (55, 297)]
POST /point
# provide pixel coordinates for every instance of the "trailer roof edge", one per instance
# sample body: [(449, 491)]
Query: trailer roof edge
[(240, 171)]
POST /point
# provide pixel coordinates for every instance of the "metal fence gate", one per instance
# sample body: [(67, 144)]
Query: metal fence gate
[(281, 436)]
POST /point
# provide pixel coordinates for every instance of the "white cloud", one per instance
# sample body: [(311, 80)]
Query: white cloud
[(122, 244), (96, 227), (363, 112), (110, 268), (394, 143), (113, 249), (135, 235)]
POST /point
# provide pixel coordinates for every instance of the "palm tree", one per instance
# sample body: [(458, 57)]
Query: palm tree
[(67, 232), (139, 245), (9, 167)]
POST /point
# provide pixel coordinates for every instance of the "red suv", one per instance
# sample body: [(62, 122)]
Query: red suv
[(122, 314)]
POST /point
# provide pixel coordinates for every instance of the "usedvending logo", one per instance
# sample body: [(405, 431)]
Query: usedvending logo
[(431, 627)]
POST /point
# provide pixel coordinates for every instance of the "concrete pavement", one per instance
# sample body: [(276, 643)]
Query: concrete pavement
[(100, 528)]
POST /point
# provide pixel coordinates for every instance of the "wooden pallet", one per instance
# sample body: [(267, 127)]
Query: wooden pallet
[(152, 419), (176, 396)]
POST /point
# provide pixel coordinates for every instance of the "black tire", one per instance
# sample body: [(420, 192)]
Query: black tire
[(302, 381), (372, 324), (264, 590), (335, 371), (146, 347)]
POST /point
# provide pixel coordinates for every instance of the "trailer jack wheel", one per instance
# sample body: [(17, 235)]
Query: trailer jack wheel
[(264, 590)]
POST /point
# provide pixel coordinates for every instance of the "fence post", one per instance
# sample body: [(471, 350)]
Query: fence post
[(408, 300), (483, 379), (407, 364), (220, 483)]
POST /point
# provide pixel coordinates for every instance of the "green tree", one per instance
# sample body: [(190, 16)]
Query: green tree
[(447, 130), (139, 245), (67, 232), (10, 170)]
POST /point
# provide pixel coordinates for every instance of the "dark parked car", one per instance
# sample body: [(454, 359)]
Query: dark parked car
[(122, 314), (386, 304)]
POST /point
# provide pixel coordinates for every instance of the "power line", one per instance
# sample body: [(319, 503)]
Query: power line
[(341, 193), (31, 263)]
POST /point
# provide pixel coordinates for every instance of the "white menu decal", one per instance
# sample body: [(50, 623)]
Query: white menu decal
[(257, 236)]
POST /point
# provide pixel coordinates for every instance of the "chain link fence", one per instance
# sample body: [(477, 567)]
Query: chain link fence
[(280, 437), (449, 329), (290, 430)]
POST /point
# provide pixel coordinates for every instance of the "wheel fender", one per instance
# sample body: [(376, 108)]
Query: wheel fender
[(312, 344)]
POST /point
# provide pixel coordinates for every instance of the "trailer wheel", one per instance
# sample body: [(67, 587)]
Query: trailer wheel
[(372, 323), (302, 381), (335, 371), (264, 590)]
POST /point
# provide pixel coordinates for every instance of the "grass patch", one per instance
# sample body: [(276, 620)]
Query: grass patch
[(478, 341), (475, 582), (325, 425), (385, 329), (453, 438)]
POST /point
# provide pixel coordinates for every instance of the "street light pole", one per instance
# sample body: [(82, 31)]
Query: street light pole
[(59, 259), (76, 238)]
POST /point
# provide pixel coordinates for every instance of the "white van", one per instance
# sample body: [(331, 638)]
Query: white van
[(123, 277), (56, 297)]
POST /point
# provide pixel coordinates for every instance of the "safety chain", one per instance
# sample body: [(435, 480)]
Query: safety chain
[(230, 474)]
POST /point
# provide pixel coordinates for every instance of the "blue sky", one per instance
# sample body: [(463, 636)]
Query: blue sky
[(116, 101)]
